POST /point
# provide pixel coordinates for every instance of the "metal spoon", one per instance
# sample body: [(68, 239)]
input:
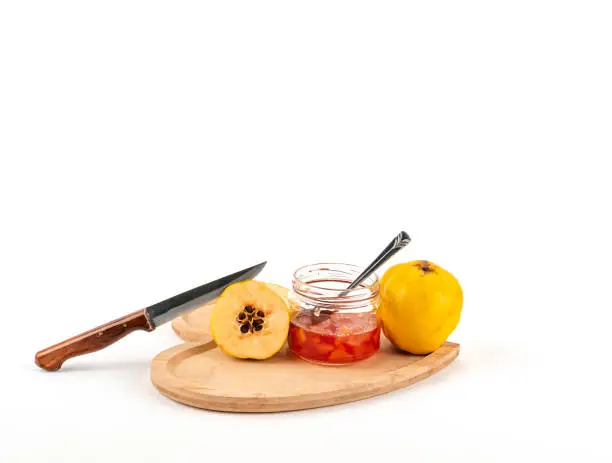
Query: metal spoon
[(401, 240), (398, 243)]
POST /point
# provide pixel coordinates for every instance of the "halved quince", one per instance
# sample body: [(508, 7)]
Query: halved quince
[(284, 293), (280, 290), (250, 320)]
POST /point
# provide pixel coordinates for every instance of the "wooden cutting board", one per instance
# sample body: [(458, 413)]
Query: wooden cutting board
[(194, 326), (202, 376)]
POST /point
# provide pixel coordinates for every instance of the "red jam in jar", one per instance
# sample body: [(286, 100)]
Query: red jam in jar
[(338, 339), (332, 325)]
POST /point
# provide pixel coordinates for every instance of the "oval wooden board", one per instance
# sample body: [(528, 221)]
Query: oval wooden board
[(202, 376), (194, 326)]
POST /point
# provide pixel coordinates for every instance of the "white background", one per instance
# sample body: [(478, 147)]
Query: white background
[(147, 147)]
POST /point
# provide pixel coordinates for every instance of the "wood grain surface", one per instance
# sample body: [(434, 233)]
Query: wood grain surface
[(53, 357), (202, 376), (194, 326)]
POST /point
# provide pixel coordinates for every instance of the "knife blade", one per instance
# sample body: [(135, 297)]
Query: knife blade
[(147, 319)]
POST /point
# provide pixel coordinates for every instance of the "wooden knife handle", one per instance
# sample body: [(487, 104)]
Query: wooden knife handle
[(53, 357)]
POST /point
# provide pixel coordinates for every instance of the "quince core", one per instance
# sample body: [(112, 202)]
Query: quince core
[(250, 320)]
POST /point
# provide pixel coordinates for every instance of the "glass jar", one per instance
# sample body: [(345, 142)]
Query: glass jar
[(333, 326)]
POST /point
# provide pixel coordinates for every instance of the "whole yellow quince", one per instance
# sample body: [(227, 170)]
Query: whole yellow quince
[(420, 306)]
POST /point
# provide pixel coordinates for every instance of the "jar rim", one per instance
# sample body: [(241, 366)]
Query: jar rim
[(304, 285)]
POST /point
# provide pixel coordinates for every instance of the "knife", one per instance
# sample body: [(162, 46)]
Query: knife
[(52, 358)]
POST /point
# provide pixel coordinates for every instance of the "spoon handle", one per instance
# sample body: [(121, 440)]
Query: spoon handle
[(398, 243)]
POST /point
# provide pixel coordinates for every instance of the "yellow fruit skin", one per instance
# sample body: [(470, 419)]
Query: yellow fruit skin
[(420, 306)]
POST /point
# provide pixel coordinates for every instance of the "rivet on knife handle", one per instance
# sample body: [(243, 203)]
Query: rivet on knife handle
[(53, 357)]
